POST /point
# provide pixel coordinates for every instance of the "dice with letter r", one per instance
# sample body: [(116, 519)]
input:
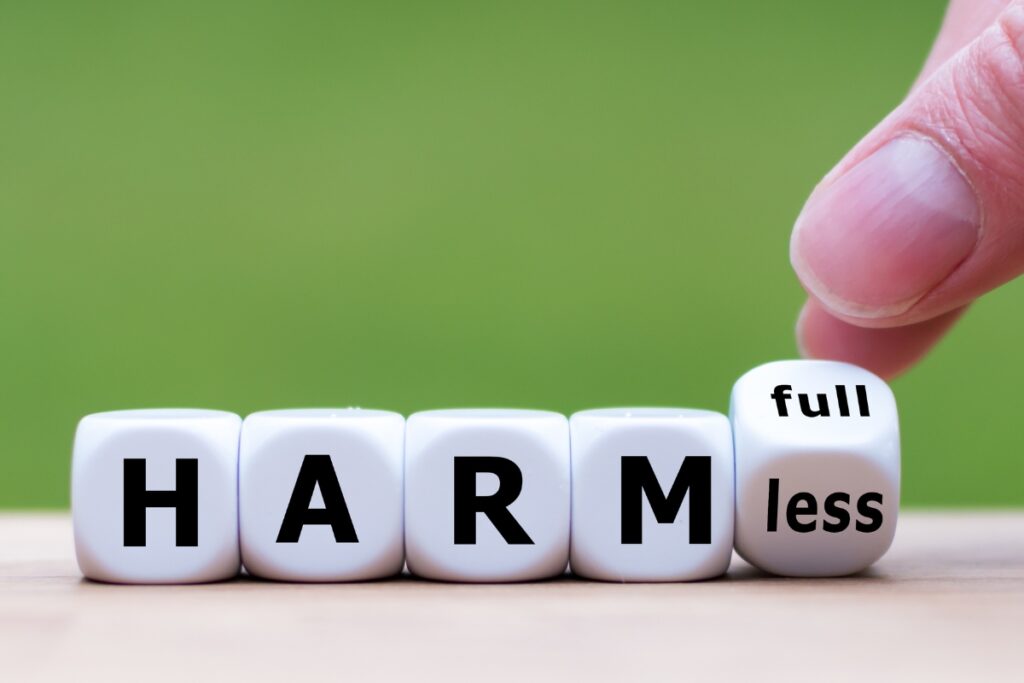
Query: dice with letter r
[(154, 496), (487, 495), (652, 494), (817, 467)]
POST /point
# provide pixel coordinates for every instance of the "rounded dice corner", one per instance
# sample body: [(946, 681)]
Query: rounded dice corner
[(562, 465)]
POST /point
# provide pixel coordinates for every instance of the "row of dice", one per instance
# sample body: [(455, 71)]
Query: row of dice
[(802, 481)]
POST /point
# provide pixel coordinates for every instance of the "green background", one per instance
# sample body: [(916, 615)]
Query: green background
[(410, 205)]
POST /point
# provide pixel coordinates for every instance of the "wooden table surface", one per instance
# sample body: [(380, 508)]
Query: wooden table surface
[(946, 603)]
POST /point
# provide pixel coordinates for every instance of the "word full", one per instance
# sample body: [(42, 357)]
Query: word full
[(802, 479)]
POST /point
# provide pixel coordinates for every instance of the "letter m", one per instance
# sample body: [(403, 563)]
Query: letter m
[(639, 481)]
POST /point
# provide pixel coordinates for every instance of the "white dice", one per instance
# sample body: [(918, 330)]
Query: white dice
[(321, 494), (817, 467), (487, 494), (803, 479), (154, 496), (652, 494)]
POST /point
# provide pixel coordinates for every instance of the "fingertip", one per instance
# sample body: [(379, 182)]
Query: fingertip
[(888, 352), (878, 238)]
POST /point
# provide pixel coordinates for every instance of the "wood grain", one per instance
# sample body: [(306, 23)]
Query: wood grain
[(946, 603)]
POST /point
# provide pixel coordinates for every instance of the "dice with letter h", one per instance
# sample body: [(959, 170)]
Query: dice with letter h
[(817, 467), (804, 480), (154, 496), (159, 496)]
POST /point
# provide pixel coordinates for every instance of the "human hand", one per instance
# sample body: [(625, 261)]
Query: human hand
[(926, 213)]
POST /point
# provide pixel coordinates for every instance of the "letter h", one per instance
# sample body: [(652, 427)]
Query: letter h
[(184, 500)]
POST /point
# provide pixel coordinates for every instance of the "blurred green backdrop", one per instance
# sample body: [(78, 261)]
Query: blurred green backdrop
[(422, 204)]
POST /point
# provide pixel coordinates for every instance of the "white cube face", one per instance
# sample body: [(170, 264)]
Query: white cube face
[(817, 467), (154, 496), (652, 494), (487, 495), (321, 494)]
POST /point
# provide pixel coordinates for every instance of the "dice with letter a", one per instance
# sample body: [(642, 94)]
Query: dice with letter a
[(320, 494)]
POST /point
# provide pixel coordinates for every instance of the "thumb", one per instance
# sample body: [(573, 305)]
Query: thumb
[(964, 20), (926, 213)]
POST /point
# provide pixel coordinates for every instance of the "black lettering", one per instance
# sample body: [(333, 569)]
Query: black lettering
[(862, 400), (802, 503), (844, 403), (317, 470), (638, 480), (805, 406), (773, 505), (780, 395), (873, 514), (184, 499), (840, 514), (495, 507)]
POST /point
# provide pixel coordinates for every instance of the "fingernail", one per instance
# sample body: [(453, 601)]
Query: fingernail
[(801, 347), (876, 239)]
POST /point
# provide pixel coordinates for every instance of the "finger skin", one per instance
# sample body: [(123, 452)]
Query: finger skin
[(887, 352), (891, 350), (971, 108), (964, 21)]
